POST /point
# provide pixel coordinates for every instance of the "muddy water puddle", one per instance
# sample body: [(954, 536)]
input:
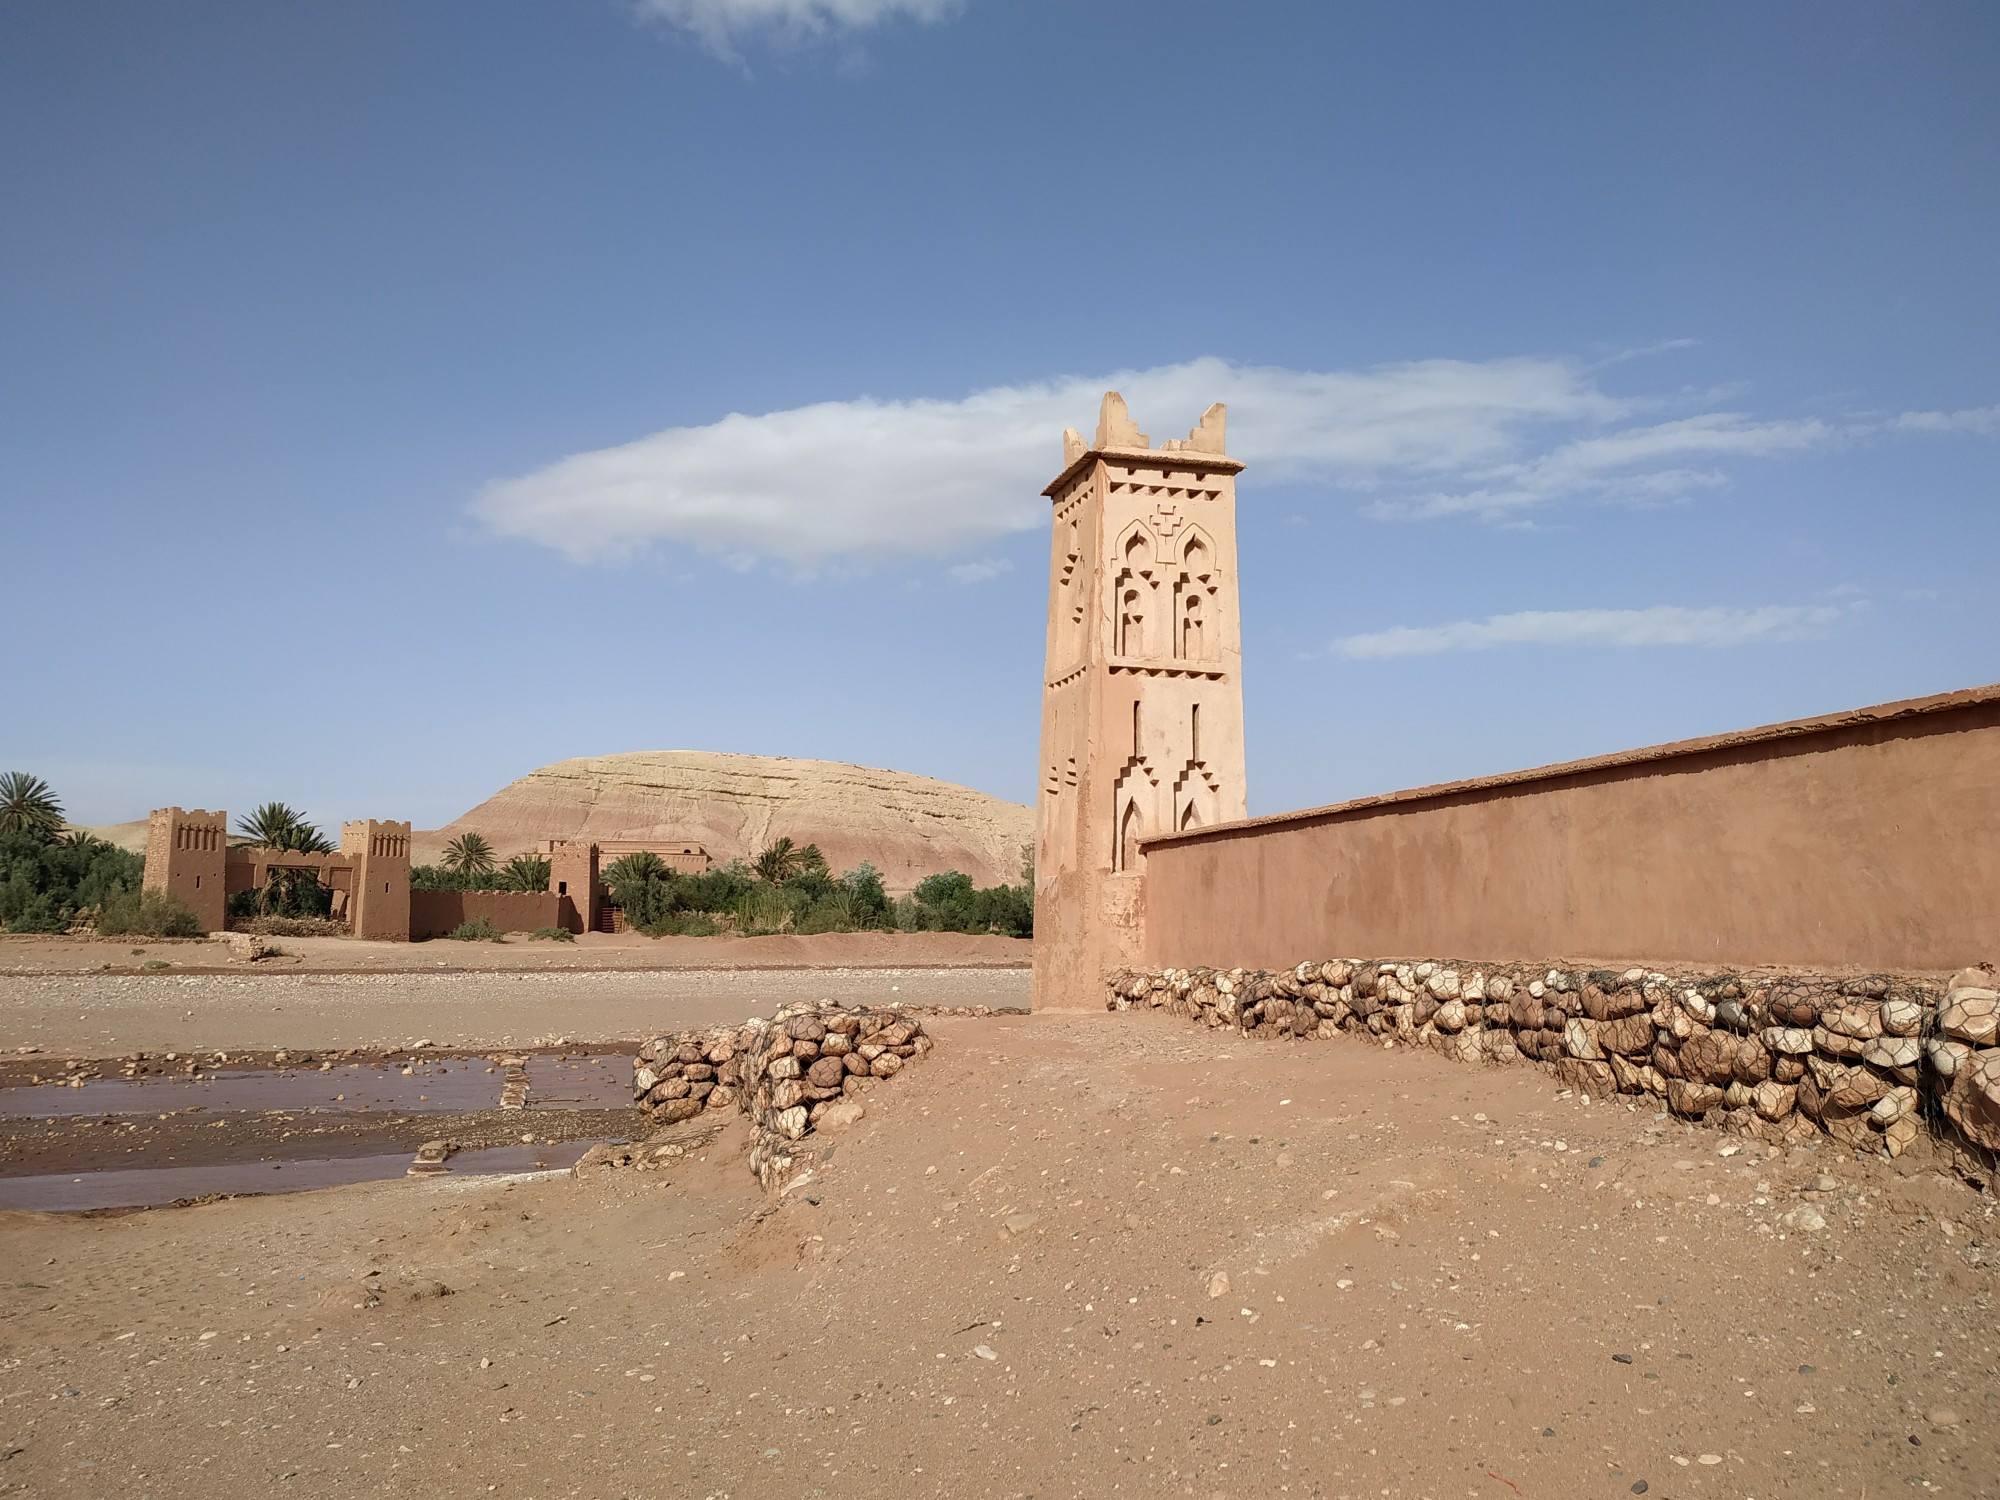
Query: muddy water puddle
[(437, 1086), (149, 1141), (149, 1187)]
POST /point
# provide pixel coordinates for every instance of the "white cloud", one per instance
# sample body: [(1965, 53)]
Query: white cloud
[(1635, 464), (1662, 625), (981, 570), (723, 24), (1978, 419), (870, 480)]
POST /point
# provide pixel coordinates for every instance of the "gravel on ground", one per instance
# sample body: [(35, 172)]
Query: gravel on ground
[(1065, 1255), (109, 1015)]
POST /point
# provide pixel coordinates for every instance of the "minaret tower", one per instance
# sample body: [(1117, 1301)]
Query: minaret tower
[(1142, 696)]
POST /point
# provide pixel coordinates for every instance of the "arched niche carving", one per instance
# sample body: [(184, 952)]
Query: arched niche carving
[(1131, 828), (1196, 585), (1136, 627)]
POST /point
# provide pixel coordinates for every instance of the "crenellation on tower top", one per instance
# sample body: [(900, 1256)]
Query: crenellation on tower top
[(1115, 427)]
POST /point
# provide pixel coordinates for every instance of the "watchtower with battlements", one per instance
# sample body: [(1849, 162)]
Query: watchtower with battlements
[(187, 854), (1142, 697), (379, 855)]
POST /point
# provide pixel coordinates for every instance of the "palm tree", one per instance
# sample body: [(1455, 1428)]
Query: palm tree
[(276, 825), (27, 805), (524, 872), (642, 885), (469, 854), (279, 826), (779, 862), (782, 861)]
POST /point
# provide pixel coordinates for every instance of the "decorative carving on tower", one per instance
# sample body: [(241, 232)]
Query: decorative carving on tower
[(1142, 699)]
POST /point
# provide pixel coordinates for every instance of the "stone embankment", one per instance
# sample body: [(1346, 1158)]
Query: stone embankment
[(1868, 1061), (806, 1069)]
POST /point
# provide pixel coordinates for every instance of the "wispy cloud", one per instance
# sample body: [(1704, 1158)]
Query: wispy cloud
[(980, 571), (1661, 625), (724, 25), (1976, 419), (870, 480), (1647, 464)]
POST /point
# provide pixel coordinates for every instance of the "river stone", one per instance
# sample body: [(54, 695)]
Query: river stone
[(1709, 1057), (1945, 1055), (1791, 1039), (1630, 1036), (1971, 1015), (1902, 1017), (1973, 1103), (1892, 1051), (786, 1093), (1899, 1103), (1775, 1100), (1692, 1099), (1856, 1088), (1580, 1040), (826, 1072), (1853, 1019)]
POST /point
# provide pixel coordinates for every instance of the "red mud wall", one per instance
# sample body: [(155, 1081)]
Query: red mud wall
[(435, 913), (1870, 839)]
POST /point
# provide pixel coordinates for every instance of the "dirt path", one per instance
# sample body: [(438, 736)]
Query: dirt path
[(1065, 1256), (593, 951), (88, 1015)]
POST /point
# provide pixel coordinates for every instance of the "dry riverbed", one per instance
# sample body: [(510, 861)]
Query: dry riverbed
[(1065, 1255)]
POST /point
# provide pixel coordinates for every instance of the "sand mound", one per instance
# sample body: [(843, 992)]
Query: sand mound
[(906, 826), (130, 837)]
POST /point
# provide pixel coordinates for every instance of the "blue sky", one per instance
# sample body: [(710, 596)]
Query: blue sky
[(395, 398)]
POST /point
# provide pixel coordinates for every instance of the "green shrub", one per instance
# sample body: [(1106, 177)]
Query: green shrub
[(47, 883), (148, 914), (951, 903), (478, 930), (762, 910), (552, 935), (524, 872), (687, 924)]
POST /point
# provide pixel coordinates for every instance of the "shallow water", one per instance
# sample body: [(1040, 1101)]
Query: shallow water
[(441, 1086), (146, 1187)]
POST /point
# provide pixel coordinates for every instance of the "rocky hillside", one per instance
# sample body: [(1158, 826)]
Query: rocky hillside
[(906, 826)]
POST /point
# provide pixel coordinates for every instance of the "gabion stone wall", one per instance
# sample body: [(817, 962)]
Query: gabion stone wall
[(787, 1073), (1865, 1060)]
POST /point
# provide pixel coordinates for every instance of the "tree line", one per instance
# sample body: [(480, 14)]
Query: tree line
[(790, 888), (56, 879)]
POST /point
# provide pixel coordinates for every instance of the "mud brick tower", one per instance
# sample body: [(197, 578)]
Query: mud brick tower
[(187, 856), (380, 856), (1142, 697)]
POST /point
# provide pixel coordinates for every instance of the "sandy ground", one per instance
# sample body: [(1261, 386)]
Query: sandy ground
[(594, 951), (111, 1015), (1065, 1256)]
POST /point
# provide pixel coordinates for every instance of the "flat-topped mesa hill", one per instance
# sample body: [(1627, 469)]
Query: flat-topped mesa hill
[(906, 826)]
